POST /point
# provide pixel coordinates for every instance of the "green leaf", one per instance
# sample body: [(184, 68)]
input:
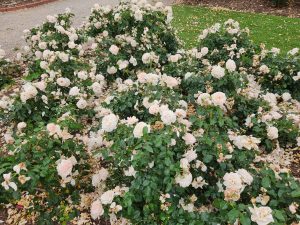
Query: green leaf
[(279, 215), (32, 76), (266, 183), (233, 215), (245, 220), (295, 194)]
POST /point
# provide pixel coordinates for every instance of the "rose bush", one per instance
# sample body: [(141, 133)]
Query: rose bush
[(115, 121)]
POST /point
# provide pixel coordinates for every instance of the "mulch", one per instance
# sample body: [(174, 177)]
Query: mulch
[(255, 6), (295, 166), (13, 5)]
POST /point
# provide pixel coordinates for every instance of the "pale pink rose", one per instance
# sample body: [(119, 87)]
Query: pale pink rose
[(261, 215), (204, 99), (96, 209), (218, 98), (184, 180), (52, 128), (107, 197), (100, 176), (190, 155), (168, 117), (139, 128), (293, 207), (218, 72), (114, 49), (180, 113), (189, 139), (154, 109), (64, 168)]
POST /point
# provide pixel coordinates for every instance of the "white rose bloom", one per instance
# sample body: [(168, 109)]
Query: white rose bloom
[(82, 75), (21, 125), (29, 91), (109, 122), (4, 104), (63, 82), (189, 139), (114, 50), (286, 96), (170, 81), (199, 182), (184, 180), (138, 15), (275, 51), (272, 133), (293, 207), (74, 91), (130, 172), (271, 98), (246, 176), (111, 70), (43, 45), (123, 64), (230, 65), (264, 69), (204, 51), (174, 58), (218, 72), (218, 98), (204, 99), (138, 129), (261, 215), (146, 58), (297, 77), (97, 88), (40, 85), (298, 141), (133, 61), (184, 164), (107, 197), (190, 155), (168, 117), (151, 78), (294, 51), (154, 109), (51, 19), (44, 65), (71, 45), (64, 168), (81, 104), (233, 181), (101, 175), (96, 209), (63, 56)]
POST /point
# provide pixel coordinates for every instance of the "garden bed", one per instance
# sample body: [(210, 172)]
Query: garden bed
[(117, 121), (258, 6), (12, 5)]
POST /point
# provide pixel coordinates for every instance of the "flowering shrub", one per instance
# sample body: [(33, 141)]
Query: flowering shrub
[(114, 121), (8, 70), (131, 37)]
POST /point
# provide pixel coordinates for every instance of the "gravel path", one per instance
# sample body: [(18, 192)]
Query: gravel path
[(12, 24)]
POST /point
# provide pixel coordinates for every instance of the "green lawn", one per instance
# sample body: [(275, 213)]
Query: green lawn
[(274, 31)]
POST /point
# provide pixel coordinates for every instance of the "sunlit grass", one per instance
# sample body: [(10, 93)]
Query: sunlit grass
[(274, 31)]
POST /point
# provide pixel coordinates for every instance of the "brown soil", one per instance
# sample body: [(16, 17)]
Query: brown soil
[(259, 6), (3, 214), (12, 3), (295, 167)]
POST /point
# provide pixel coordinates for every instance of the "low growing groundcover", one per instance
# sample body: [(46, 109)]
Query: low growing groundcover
[(274, 31)]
